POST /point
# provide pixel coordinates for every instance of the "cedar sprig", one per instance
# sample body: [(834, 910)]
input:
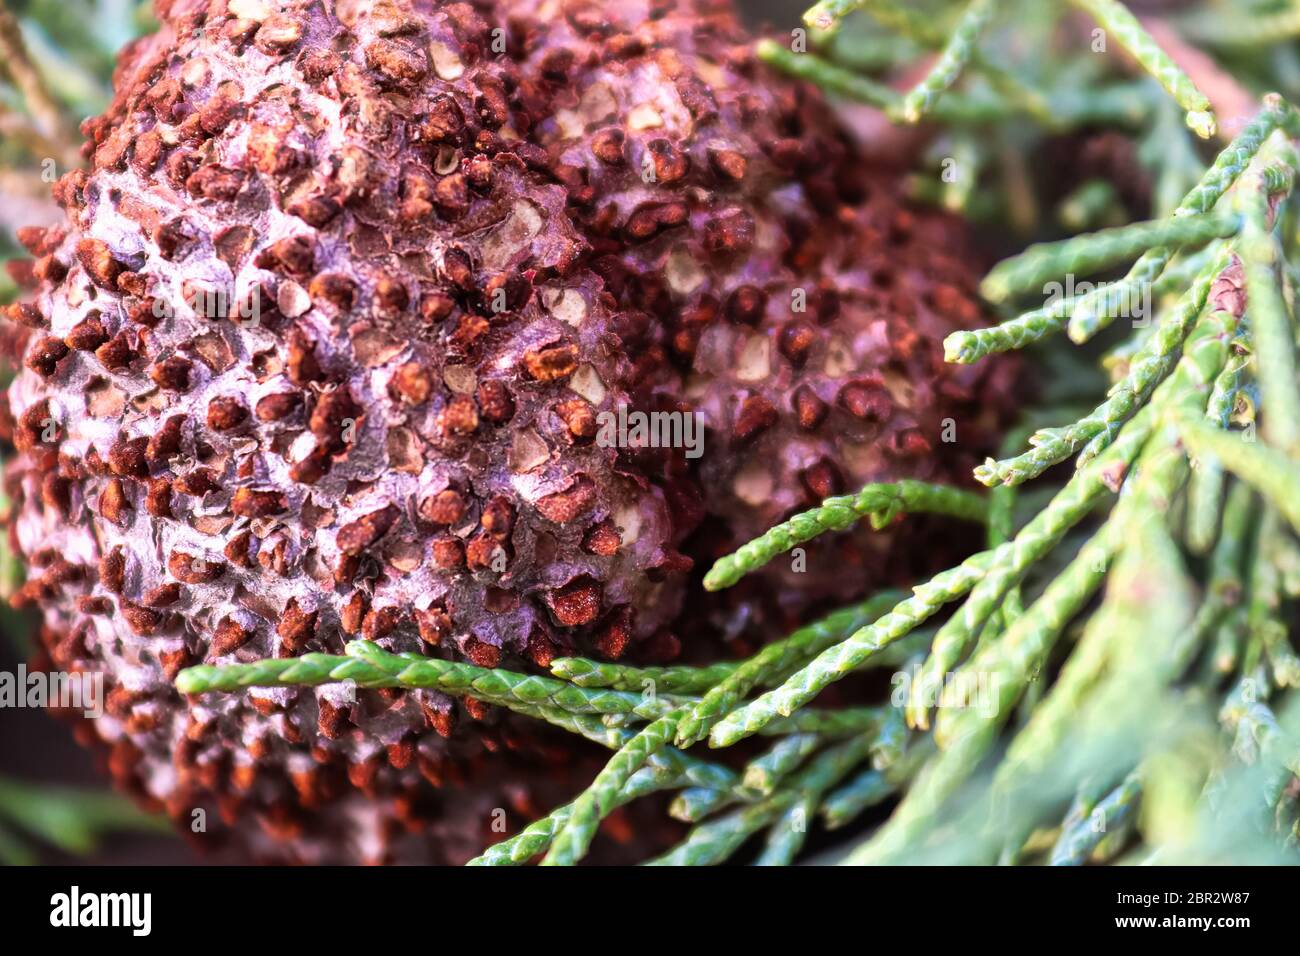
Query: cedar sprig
[(1088, 313), (967, 735), (1054, 445), (1205, 490), (761, 777), (879, 503), (958, 48), (1098, 308), (1225, 574), (1120, 106), (693, 804), (370, 666), (844, 804), (1161, 470), (852, 653), (956, 53), (1171, 399), (667, 769), (672, 680), (1012, 560), (892, 14), (1115, 18), (712, 842), (1153, 360), (1270, 325), (1259, 738), (763, 773), (1162, 440), (1093, 252), (772, 663), (595, 803), (1264, 625), (1266, 469), (968, 346), (537, 836), (1080, 837), (1039, 626)]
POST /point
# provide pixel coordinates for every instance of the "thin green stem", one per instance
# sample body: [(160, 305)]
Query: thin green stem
[(881, 503), (840, 659), (861, 793), (670, 680), (1127, 294), (1148, 369), (1162, 470), (888, 13), (763, 774), (1264, 621), (956, 53), (1070, 506), (1266, 469), (1115, 18), (774, 661), (1272, 330), (596, 802), (966, 734), (1225, 578), (789, 832), (1205, 489), (953, 108), (1082, 255), (712, 842), (1078, 840), (1095, 310)]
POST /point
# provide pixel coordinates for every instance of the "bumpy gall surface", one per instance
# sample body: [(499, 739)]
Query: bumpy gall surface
[(324, 348)]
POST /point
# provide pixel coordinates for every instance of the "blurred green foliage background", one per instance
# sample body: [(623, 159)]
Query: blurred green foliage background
[(54, 806)]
